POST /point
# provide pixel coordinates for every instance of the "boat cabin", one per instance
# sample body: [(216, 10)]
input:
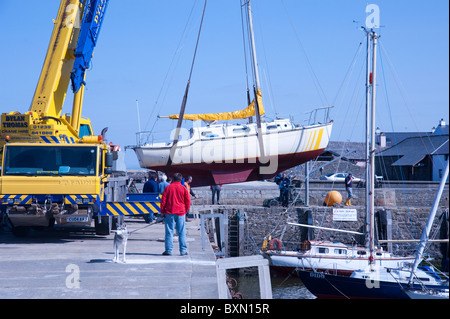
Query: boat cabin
[(336, 249), (226, 130)]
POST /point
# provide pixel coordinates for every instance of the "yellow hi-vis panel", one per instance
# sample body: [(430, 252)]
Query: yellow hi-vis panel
[(226, 116), (15, 199), (131, 208)]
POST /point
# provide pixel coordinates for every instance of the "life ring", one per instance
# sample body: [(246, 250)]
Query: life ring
[(275, 244)]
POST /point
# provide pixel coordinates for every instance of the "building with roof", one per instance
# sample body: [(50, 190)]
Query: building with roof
[(441, 129), (416, 156), (420, 158)]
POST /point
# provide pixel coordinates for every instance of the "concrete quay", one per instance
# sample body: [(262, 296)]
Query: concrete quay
[(61, 265)]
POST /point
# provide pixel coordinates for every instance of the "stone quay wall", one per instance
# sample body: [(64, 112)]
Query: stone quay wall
[(254, 193), (260, 222)]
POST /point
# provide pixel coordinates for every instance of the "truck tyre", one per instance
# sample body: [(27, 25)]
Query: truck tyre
[(103, 228)]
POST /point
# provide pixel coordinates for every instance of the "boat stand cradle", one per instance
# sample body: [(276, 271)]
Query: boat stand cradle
[(223, 264)]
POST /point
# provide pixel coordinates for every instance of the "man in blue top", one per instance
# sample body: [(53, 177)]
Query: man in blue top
[(151, 186), (284, 190)]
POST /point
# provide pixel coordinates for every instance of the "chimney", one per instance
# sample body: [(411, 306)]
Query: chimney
[(380, 138)]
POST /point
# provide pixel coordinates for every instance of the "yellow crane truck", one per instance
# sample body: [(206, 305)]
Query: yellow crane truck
[(54, 170)]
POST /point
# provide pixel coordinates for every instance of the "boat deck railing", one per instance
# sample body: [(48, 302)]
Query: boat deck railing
[(152, 137), (318, 113)]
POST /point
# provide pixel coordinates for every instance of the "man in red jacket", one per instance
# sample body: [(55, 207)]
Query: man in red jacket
[(175, 203)]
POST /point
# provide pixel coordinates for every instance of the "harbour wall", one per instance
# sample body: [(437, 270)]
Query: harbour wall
[(257, 223)]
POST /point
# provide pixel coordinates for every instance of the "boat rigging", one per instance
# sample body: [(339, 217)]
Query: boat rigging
[(378, 281)]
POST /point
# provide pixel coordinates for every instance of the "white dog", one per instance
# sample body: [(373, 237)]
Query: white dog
[(121, 237)]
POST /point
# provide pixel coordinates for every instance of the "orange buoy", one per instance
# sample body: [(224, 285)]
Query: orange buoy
[(332, 198)]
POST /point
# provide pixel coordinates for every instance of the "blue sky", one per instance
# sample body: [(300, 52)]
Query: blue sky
[(142, 55)]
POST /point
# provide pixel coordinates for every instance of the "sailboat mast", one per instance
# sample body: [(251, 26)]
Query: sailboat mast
[(370, 143), (262, 157), (367, 173), (252, 40), (372, 151)]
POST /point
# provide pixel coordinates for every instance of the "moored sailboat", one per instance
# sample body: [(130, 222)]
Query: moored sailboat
[(384, 282), (373, 281), (370, 284), (332, 258)]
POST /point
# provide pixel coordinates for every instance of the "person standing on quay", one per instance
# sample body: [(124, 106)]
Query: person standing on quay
[(151, 186), (215, 189), (163, 183), (175, 203), (187, 184), (348, 188), (284, 190)]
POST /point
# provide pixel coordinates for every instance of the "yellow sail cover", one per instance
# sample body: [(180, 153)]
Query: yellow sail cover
[(241, 114)]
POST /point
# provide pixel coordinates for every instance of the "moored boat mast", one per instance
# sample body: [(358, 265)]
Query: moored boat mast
[(370, 143), (372, 152)]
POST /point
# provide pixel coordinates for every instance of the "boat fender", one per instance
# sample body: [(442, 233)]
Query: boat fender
[(266, 242), (275, 244)]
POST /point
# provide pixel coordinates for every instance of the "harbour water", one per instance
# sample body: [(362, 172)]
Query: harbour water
[(289, 287)]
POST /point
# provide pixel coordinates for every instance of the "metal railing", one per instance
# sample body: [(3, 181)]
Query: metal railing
[(313, 115)]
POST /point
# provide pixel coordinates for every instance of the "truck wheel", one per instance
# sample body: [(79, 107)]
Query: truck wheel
[(103, 228), (20, 231)]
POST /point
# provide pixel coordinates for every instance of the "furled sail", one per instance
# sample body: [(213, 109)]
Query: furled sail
[(241, 114)]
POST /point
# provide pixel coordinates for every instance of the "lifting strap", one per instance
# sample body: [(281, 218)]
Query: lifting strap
[(183, 104)]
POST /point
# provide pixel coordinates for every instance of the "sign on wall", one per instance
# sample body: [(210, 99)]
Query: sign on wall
[(345, 215)]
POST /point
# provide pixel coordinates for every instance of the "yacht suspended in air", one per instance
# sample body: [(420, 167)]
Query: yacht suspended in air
[(223, 153)]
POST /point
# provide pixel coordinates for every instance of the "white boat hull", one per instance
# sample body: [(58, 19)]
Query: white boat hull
[(333, 258), (222, 154)]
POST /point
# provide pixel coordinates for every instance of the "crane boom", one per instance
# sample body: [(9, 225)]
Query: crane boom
[(93, 15), (90, 29), (53, 82)]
